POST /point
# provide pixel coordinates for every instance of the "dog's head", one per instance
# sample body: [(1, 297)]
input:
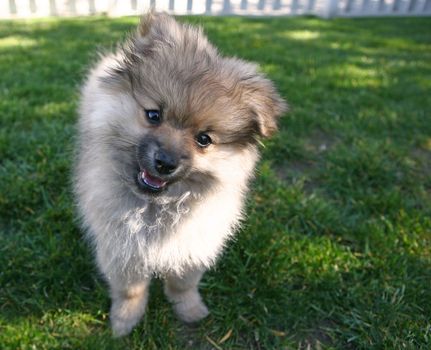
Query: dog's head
[(192, 116)]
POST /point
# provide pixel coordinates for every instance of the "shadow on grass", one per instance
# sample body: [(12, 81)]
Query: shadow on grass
[(341, 263)]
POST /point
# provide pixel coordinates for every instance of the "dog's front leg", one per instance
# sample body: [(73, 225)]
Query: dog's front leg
[(182, 292), (128, 306)]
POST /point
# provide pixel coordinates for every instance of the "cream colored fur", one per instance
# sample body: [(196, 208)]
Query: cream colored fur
[(179, 234)]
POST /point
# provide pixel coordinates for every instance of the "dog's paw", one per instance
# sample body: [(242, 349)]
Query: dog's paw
[(121, 327), (126, 313), (191, 311)]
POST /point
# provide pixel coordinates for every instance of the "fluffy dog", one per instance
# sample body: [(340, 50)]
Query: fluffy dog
[(167, 143)]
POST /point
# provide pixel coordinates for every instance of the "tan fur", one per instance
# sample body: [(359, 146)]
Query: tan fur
[(178, 233)]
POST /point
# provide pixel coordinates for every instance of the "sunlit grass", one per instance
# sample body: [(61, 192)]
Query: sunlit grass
[(301, 34), (13, 41)]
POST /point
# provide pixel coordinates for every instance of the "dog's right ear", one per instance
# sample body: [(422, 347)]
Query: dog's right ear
[(139, 45), (156, 27), (145, 23), (153, 29)]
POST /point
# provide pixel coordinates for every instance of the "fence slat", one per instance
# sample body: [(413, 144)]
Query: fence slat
[(349, 6), (12, 7)]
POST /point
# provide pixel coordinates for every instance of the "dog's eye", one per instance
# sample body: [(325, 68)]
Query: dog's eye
[(203, 140), (153, 116)]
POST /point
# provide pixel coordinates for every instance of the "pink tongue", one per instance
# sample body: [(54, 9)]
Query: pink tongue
[(152, 181)]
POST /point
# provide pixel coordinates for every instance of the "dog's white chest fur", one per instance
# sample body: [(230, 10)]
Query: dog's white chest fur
[(174, 239), (199, 236)]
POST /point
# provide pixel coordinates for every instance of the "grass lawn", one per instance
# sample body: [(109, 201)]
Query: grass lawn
[(336, 249)]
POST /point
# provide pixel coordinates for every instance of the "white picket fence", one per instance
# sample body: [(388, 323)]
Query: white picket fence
[(322, 8)]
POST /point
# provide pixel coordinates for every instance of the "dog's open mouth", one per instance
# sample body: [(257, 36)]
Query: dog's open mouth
[(149, 182)]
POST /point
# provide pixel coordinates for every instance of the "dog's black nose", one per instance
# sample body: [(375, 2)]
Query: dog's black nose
[(164, 162)]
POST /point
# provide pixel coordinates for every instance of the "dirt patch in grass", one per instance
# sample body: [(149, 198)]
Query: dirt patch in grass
[(423, 158), (315, 146), (318, 338), (290, 172), (320, 142)]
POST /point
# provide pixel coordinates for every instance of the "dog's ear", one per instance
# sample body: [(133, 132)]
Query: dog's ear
[(145, 23), (153, 28), (265, 103), (157, 26)]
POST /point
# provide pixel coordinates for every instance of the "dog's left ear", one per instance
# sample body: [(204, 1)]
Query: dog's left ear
[(265, 103)]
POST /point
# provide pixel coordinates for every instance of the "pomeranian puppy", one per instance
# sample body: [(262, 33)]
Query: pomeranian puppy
[(167, 143)]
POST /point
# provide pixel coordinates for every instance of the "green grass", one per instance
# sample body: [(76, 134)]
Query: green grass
[(336, 250)]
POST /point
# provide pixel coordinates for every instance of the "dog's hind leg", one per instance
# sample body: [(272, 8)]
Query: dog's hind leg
[(182, 292), (128, 306)]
